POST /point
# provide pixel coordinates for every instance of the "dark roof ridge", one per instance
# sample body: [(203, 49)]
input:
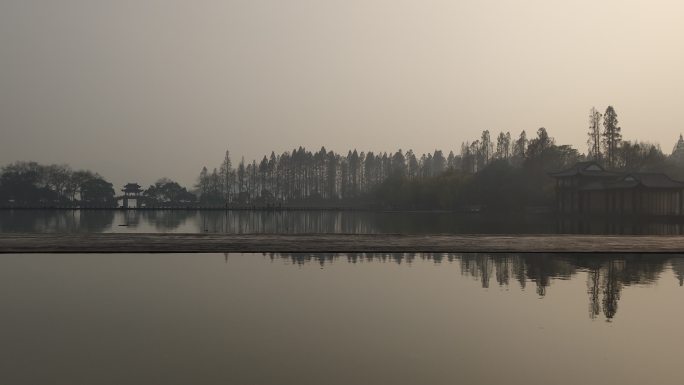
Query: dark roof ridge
[(581, 167), (652, 173)]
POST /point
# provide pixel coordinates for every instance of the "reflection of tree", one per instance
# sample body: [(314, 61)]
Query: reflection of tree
[(95, 221), (132, 217), (526, 267), (606, 275), (358, 222), (594, 289), (165, 220), (541, 268), (611, 289), (48, 221), (503, 272), (303, 258), (678, 268), (478, 266)]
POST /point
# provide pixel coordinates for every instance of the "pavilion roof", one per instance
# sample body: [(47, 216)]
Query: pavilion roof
[(589, 168), (632, 180), (132, 187)]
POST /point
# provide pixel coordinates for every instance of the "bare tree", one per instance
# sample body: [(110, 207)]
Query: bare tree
[(487, 146), (594, 140), (227, 176), (503, 142)]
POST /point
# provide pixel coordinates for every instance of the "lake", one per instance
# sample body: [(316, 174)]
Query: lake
[(317, 221), (336, 318), (340, 319)]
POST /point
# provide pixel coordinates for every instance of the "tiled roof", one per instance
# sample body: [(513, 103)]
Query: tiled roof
[(632, 180), (131, 187), (585, 168)]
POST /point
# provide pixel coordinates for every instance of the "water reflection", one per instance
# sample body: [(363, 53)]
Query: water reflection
[(363, 222), (283, 222), (607, 275), (369, 319), (44, 221), (163, 220), (678, 268)]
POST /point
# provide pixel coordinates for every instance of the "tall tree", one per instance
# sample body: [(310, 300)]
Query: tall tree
[(411, 164), (611, 135), (438, 163), (241, 176), (263, 175), (538, 151), (487, 146), (503, 142), (467, 160), (203, 182), (509, 146), (452, 161), (399, 165), (594, 140), (476, 153), (227, 177), (519, 149)]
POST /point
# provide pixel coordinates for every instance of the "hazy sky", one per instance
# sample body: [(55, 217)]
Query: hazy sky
[(138, 90)]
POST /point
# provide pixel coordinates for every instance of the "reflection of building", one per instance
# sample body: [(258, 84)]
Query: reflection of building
[(131, 191), (588, 188)]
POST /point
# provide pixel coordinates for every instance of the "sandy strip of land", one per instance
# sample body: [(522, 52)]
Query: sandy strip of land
[(335, 243)]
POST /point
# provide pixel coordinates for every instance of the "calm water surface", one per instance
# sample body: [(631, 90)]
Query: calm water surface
[(341, 319), (245, 221)]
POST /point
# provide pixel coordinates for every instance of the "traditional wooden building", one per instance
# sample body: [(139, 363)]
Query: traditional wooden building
[(587, 188)]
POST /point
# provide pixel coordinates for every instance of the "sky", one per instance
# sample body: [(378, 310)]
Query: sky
[(138, 90)]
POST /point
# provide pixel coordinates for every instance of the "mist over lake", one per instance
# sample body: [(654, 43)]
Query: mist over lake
[(373, 192)]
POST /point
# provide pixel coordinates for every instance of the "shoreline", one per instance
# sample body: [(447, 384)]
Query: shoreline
[(273, 209), (55, 243)]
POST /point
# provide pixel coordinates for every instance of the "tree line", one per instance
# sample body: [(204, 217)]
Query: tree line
[(605, 146), (495, 170), (30, 184), (303, 175)]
